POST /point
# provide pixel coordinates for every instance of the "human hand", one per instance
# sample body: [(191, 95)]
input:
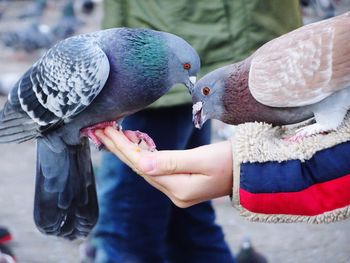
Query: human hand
[(187, 177)]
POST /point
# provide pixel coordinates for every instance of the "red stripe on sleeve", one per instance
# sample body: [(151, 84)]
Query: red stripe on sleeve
[(313, 200)]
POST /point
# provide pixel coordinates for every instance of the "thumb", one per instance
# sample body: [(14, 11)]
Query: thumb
[(167, 162)]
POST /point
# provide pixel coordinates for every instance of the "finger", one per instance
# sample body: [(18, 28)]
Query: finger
[(123, 144), (113, 147), (184, 186), (161, 162), (126, 150), (107, 142), (155, 184), (183, 189), (171, 162), (178, 202), (131, 136), (196, 161), (118, 137)]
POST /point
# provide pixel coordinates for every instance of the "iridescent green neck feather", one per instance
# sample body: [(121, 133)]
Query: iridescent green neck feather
[(146, 53)]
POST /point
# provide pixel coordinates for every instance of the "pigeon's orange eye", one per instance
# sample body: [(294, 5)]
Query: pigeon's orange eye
[(206, 91), (187, 66)]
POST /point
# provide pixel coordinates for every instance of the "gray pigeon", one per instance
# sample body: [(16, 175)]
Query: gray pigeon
[(68, 24), (300, 75), (83, 83), (3, 6), (33, 37), (35, 9), (248, 254)]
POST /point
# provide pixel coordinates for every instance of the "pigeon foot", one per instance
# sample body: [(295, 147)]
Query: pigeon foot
[(307, 131), (90, 131), (140, 138)]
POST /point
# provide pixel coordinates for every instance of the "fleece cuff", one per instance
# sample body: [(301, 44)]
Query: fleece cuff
[(280, 181)]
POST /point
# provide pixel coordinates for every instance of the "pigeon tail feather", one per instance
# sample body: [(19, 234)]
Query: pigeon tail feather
[(16, 126), (65, 196)]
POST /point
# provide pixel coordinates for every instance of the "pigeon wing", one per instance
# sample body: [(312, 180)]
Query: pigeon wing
[(64, 81), (304, 66)]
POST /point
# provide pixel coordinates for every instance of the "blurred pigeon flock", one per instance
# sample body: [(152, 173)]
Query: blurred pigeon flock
[(38, 35), (29, 30)]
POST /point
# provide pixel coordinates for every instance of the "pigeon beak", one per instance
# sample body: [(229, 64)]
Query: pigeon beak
[(193, 79), (198, 116), (190, 83)]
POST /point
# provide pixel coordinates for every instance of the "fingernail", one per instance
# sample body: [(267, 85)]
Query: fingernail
[(147, 164)]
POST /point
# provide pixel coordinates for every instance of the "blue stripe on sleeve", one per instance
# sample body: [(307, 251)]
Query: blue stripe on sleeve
[(294, 175)]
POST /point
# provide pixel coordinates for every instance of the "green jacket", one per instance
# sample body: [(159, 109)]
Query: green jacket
[(222, 31)]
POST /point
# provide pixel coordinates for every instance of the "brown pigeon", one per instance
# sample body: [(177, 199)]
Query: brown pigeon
[(302, 74)]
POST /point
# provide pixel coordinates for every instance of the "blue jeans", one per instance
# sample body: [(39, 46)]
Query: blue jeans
[(138, 223)]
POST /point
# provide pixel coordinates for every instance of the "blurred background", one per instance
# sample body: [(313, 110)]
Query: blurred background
[(27, 29)]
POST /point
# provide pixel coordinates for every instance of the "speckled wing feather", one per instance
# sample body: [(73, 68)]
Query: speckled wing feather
[(304, 66), (64, 81)]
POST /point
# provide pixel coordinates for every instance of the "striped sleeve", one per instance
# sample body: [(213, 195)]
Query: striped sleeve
[(307, 181)]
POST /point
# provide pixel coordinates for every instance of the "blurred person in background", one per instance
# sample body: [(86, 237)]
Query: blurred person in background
[(323, 9), (138, 223)]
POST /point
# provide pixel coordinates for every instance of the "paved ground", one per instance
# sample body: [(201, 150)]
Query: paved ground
[(280, 243)]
